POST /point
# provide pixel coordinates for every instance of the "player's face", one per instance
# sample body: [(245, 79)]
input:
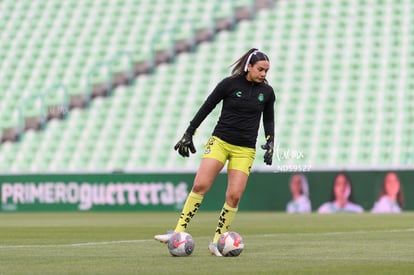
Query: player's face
[(341, 187), (257, 72), (295, 185), (392, 185)]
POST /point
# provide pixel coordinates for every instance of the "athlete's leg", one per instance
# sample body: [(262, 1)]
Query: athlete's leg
[(238, 170), (237, 181), (207, 172), (235, 188), (214, 158)]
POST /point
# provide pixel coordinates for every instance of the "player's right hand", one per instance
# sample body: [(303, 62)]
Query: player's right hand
[(185, 145)]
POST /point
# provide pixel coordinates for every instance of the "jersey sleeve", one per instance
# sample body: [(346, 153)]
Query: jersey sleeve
[(269, 116), (218, 93)]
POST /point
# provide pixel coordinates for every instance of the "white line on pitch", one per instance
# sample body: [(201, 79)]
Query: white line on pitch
[(261, 235), (72, 244), (339, 232)]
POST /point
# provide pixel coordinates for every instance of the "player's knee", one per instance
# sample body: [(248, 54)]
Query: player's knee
[(233, 199), (200, 188)]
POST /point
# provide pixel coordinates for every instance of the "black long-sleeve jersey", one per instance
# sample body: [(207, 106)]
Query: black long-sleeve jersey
[(244, 102)]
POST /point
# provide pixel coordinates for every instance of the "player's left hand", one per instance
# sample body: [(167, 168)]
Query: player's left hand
[(268, 156)]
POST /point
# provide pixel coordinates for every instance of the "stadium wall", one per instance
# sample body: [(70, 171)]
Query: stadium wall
[(167, 192)]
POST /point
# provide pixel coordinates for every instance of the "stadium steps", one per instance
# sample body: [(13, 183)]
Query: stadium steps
[(338, 102), (225, 15)]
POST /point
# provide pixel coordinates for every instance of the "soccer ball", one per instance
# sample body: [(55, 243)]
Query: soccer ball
[(181, 244), (230, 244)]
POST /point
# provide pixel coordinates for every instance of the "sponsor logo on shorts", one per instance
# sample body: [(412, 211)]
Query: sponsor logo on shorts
[(208, 150)]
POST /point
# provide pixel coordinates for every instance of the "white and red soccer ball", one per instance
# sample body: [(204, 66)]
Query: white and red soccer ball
[(181, 244), (230, 244)]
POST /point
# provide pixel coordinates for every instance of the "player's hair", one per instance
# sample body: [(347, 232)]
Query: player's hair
[(400, 196), (348, 180), (250, 57)]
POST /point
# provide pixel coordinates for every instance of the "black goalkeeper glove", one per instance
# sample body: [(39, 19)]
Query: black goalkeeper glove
[(268, 156), (185, 144)]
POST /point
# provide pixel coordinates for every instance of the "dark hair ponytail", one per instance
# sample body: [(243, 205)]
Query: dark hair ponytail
[(250, 57)]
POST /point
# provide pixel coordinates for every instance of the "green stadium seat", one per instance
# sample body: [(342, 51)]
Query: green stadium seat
[(332, 93)]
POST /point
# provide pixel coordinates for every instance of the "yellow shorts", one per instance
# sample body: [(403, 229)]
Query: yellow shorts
[(239, 157)]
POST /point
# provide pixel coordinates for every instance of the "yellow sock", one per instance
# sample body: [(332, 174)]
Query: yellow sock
[(225, 219), (191, 206)]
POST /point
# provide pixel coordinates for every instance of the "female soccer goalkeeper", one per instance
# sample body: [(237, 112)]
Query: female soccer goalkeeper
[(246, 95)]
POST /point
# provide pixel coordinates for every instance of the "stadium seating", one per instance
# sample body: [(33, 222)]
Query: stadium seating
[(341, 70)]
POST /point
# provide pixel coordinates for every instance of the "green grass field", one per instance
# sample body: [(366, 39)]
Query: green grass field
[(275, 243)]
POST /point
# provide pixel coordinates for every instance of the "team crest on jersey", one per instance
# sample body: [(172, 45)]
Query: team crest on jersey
[(239, 93), (260, 97)]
